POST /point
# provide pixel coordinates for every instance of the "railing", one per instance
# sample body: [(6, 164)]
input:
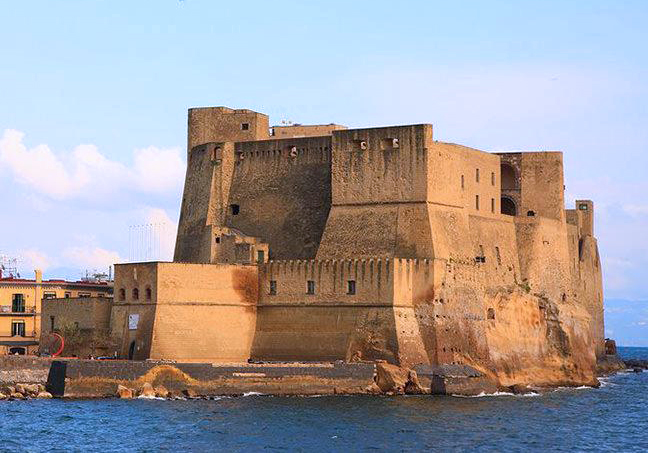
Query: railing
[(8, 309)]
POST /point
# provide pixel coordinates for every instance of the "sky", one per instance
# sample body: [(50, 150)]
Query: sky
[(94, 96)]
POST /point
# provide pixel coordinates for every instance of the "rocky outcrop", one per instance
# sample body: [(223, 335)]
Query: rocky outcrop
[(611, 363), (147, 391), (23, 391), (124, 392), (392, 379)]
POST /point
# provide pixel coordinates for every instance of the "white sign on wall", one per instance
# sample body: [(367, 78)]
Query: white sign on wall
[(133, 320)]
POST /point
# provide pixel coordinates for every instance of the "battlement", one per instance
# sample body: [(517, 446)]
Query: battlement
[(291, 151), (304, 130), (379, 280)]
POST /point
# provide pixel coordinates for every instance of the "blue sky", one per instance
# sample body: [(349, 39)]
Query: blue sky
[(94, 97)]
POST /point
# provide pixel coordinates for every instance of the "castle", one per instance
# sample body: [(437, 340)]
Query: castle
[(322, 243)]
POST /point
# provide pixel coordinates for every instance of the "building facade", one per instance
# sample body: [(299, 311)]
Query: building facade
[(20, 307), (366, 244)]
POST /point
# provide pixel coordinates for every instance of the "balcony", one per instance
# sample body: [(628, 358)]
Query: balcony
[(7, 310)]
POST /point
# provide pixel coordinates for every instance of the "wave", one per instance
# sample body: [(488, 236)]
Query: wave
[(484, 394), (252, 394)]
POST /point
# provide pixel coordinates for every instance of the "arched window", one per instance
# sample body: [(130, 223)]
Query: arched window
[(509, 178), (148, 293), (491, 313), (135, 293), (507, 206), (530, 213), (122, 294)]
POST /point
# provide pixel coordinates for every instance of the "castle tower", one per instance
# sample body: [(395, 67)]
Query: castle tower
[(212, 132)]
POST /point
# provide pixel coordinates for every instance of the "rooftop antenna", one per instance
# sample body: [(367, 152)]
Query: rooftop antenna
[(8, 266)]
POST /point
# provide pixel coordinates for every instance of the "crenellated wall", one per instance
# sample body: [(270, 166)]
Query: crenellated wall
[(378, 243)]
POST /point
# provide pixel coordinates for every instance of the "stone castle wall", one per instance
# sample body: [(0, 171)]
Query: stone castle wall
[(441, 275)]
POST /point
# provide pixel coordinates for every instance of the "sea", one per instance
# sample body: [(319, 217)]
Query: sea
[(613, 417)]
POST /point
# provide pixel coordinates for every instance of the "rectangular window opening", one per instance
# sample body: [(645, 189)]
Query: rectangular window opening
[(477, 174), (273, 287), (18, 303), (351, 287), (235, 209), (310, 287), (245, 126), (18, 329), (477, 202), (492, 204)]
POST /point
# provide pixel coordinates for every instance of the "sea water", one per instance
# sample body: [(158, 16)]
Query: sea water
[(613, 417)]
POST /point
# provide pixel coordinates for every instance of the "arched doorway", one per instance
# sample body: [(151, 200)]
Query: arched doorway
[(509, 177), (508, 206), (131, 350)]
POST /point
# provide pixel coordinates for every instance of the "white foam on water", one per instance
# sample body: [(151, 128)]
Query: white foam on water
[(145, 397), (252, 394), (483, 394)]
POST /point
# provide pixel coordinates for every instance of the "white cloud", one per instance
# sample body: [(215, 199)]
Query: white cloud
[(166, 231), (158, 170), (88, 174), (90, 257), (34, 259)]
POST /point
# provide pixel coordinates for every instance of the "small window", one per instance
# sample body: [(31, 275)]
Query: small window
[(462, 181), (148, 293), (235, 209), (498, 256), (69, 294), (477, 202), (492, 178), (52, 323), (18, 303), (582, 207), (49, 295), (135, 294), (218, 239), (260, 256), (122, 294), (492, 204), (85, 295), (530, 213), (245, 126), (273, 287), (351, 287), (491, 313), (310, 287), (18, 328), (477, 174)]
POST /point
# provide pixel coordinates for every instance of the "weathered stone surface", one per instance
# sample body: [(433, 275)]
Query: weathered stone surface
[(18, 396), (161, 391), (413, 386), (189, 393), (44, 395), (520, 389), (391, 378), (31, 389), (124, 392), (147, 391)]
